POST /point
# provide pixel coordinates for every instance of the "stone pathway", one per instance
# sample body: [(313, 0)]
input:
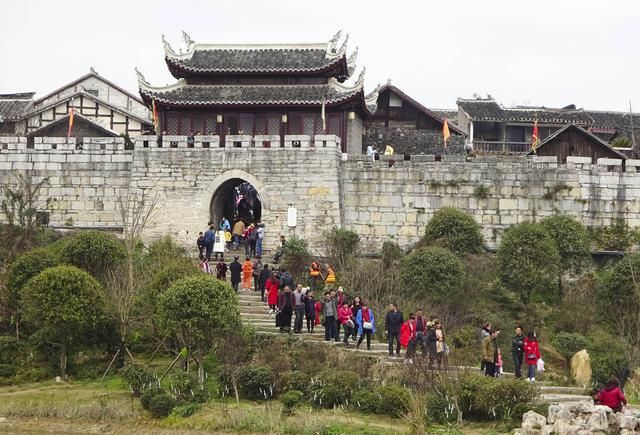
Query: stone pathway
[(256, 313)]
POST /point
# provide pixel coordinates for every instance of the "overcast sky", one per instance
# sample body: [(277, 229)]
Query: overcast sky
[(544, 52)]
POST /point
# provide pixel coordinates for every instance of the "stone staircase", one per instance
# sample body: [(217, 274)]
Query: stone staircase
[(256, 313)]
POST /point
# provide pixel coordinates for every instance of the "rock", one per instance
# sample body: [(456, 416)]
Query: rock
[(585, 407), (566, 428), (534, 420), (598, 421), (626, 421), (560, 412)]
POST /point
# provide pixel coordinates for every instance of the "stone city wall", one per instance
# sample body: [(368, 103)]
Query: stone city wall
[(382, 203), (326, 187), (83, 179)]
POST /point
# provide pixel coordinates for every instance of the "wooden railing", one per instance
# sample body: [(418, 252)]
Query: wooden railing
[(487, 146)]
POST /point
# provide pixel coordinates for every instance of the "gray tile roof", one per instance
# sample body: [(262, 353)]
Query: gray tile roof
[(618, 121), (13, 106), (188, 95), (255, 60), (489, 110)]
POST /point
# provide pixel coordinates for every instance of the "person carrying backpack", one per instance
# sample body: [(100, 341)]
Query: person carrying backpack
[(209, 239)]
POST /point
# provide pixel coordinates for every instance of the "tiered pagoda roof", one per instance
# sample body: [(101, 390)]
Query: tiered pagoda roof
[(326, 64), (322, 59)]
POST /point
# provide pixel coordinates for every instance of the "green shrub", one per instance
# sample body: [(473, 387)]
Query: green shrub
[(298, 381), (30, 375), (528, 262), (183, 386), (185, 411), (391, 253), (149, 393), (255, 382), (9, 349), (22, 269), (568, 343), (290, 400), (342, 245), (296, 256), (432, 272), (137, 379), (455, 230), (161, 405), (483, 397), (366, 401), (572, 240), (7, 371), (441, 409), (94, 251), (334, 388), (394, 400)]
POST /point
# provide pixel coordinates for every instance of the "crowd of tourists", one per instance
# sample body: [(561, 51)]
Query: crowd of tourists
[(349, 319)]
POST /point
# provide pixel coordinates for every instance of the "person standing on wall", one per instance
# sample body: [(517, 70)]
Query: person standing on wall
[(517, 351), (236, 271)]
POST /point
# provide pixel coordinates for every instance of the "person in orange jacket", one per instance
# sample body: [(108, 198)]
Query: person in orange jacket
[(247, 274), (314, 273), (331, 276)]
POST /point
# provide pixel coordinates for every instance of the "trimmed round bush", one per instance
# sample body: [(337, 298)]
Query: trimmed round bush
[(366, 401), (433, 272), (23, 268), (94, 251), (298, 381), (393, 400), (334, 388), (149, 393), (161, 405), (255, 382), (183, 385), (290, 400), (455, 230)]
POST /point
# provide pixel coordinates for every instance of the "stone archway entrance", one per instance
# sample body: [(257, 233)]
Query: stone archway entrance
[(236, 198), (237, 193)]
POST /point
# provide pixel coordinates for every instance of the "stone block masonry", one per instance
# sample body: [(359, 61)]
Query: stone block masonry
[(377, 201)]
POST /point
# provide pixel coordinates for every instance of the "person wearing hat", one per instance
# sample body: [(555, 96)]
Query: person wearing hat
[(236, 270)]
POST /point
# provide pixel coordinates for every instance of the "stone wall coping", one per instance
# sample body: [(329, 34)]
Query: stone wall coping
[(632, 163), (579, 160), (609, 162)]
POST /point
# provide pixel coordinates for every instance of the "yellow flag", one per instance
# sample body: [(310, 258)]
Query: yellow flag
[(445, 131)]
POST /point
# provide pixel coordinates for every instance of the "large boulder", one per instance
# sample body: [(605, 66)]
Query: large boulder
[(627, 421), (598, 421), (581, 368)]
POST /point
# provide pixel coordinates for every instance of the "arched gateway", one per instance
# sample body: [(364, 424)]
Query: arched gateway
[(237, 193)]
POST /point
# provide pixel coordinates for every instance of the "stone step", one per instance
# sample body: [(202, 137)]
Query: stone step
[(554, 389), (564, 398)]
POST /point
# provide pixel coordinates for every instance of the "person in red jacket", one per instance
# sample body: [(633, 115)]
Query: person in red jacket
[(531, 354), (345, 319), (611, 395), (408, 337), (272, 292)]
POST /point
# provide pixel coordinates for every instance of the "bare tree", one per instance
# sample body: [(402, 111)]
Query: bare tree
[(627, 322), (20, 205), (137, 209)]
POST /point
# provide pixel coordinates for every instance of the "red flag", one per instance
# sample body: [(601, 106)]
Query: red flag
[(155, 116), (70, 130), (535, 138)]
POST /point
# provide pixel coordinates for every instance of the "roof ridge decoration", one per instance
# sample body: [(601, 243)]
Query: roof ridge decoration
[(187, 40), (351, 62), (357, 86), (145, 85)]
